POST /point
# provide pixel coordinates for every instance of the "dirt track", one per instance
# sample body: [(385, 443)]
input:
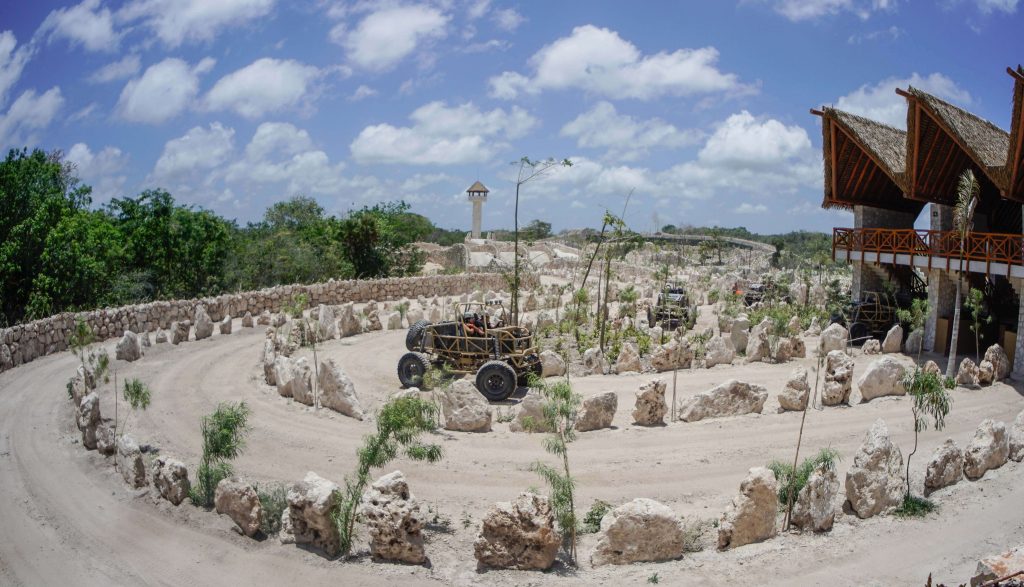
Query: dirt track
[(67, 517)]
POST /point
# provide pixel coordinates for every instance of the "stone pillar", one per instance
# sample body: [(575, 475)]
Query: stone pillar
[(941, 299), (1018, 356), (866, 278), (477, 210)]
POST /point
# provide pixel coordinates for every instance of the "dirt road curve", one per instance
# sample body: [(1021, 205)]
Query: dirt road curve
[(67, 518)]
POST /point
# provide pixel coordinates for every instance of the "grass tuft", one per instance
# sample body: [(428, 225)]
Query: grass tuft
[(914, 507)]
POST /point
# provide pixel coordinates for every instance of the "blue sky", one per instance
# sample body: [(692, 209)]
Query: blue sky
[(699, 108)]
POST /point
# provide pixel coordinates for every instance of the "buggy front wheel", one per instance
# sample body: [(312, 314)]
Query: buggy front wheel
[(496, 380), (412, 368)]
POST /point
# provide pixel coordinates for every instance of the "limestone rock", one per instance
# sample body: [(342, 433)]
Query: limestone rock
[(594, 362), (394, 520), (269, 359), (551, 364), (717, 352), (650, 404), (465, 410), (986, 373), (1000, 362), (893, 340), (757, 343), (884, 376), (337, 392), (833, 338), (160, 337), (89, 419), (530, 417), (247, 321), (597, 412), (519, 535), (129, 461), (672, 355), (946, 466), (264, 319), (545, 319), (751, 515), (732, 398), (294, 379), (874, 483), (628, 359), (793, 327), (144, 339), (817, 296), (204, 325), (740, 333), (838, 379), (225, 325), (638, 531), (932, 367), (914, 341), (872, 347), (179, 331), (170, 478), (129, 348), (310, 505), (968, 375), (348, 322), (988, 449), (799, 347), (814, 329), (240, 502), (795, 394), (106, 442), (327, 325), (814, 508), (998, 566), (782, 351), (1016, 439)]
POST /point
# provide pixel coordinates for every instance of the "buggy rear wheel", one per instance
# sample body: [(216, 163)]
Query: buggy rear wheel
[(496, 380), (859, 332), (414, 338), (412, 368)]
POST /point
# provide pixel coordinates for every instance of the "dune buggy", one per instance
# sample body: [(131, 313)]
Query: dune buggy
[(671, 310), (479, 340)]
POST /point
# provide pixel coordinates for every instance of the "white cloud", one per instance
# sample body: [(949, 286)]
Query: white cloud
[(362, 92), (199, 149), (442, 135), (283, 154), (623, 137), (892, 33), (745, 142), (387, 36), (508, 19), (28, 114), (103, 170), (800, 10), (881, 102), (990, 6), (84, 24), (84, 113), (163, 91), (477, 9), (12, 62), (121, 69), (266, 85), (748, 208), (178, 21), (599, 61)]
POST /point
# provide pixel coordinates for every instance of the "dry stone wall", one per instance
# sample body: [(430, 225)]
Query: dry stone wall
[(25, 342)]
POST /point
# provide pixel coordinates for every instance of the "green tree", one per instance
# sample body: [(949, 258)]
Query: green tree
[(915, 317), (930, 399), (37, 192), (374, 243), (968, 191), (224, 434), (975, 304), (537, 230), (400, 422)]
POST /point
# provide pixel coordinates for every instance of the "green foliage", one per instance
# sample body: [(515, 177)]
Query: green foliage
[(915, 315), (713, 296), (949, 383), (975, 304), (914, 507), (223, 440), (400, 422), (780, 315), (375, 244), (536, 230), (930, 398), (653, 579), (137, 394), (273, 500), (559, 412), (592, 521), (791, 481)]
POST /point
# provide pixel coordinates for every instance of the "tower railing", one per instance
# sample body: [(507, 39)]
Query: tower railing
[(943, 246)]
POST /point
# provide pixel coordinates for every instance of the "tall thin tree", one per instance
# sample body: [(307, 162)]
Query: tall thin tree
[(967, 194)]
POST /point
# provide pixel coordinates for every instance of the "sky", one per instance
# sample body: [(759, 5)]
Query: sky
[(686, 113)]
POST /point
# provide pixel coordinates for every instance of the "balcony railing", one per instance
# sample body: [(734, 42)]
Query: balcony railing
[(932, 248)]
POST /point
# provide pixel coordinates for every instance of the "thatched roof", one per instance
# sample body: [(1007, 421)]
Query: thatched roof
[(1013, 173), (985, 142), (478, 187), (864, 162)]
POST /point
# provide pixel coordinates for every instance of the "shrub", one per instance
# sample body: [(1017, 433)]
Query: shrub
[(273, 500), (592, 521), (794, 481), (223, 439), (914, 507)]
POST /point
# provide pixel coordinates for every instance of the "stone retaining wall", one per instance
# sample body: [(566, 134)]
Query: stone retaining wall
[(25, 342)]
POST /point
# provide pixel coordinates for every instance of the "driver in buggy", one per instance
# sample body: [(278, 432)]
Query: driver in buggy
[(473, 324)]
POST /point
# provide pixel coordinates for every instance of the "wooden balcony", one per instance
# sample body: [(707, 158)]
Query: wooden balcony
[(983, 252)]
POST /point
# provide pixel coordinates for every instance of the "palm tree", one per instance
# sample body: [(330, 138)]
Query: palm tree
[(967, 193)]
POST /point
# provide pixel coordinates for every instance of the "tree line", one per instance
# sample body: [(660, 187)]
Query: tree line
[(60, 253)]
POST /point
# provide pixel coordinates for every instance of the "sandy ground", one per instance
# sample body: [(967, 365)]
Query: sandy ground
[(67, 518)]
